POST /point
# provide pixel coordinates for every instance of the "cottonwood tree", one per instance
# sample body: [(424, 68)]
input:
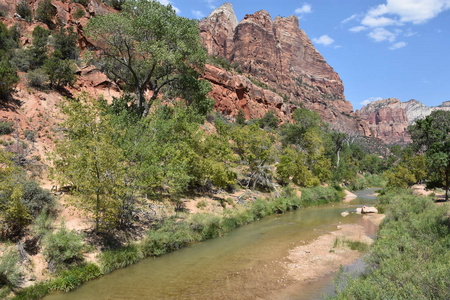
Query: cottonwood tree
[(146, 46), (89, 161), (432, 136)]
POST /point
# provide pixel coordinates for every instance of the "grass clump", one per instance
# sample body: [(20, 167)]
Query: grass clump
[(111, 260), (6, 127)]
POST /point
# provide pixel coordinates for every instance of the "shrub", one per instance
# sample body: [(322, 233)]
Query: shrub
[(35, 198), (82, 2), (37, 78), (63, 248), (23, 9), (59, 71), (8, 78), (65, 43), (6, 127), (46, 12), (22, 59), (320, 195), (79, 13), (9, 270)]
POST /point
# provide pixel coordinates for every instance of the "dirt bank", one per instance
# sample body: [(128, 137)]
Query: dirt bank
[(349, 196)]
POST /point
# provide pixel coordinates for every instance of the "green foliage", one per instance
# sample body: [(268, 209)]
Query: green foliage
[(269, 121), (35, 198), (79, 13), (72, 278), (90, 161), (431, 135), (256, 151), (410, 257), (321, 195), (293, 166), (148, 46), (36, 291), (400, 177), (37, 78), (111, 260), (6, 127), (60, 71), (82, 2), (45, 13), (24, 10), (10, 273), (65, 42), (8, 78), (240, 117), (63, 248)]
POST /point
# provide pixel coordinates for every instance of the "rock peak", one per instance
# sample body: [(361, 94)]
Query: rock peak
[(227, 10)]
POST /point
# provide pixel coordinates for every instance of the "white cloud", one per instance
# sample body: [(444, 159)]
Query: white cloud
[(198, 14), (371, 99), (304, 9), (410, 33), (167, 2), (357, 28), (323, 40), (210, 3), (351, 18), (381, 34), (404, 11), (398, 46)]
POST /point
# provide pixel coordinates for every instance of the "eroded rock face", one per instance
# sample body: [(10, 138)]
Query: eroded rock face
[(416, 110), (387, 120), (217, 31), (277, 56)]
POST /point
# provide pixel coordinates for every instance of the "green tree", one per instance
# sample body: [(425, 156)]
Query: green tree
[(89, 161), (8, 78), (432, 136), (45, 13), (65, 41), (24, 10), (60, 71), (146, 46)]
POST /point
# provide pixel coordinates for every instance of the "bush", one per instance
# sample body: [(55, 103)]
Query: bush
[(60, 71), (22, 59), (65, 43), (63, 248), (23, 9), (6, 127), (320, 195), (8, 78), (35, 198), (79, 13), (46, 12), (9, 270), (37, 78)]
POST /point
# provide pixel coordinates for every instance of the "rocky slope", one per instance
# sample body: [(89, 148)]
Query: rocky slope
[(283, 69)]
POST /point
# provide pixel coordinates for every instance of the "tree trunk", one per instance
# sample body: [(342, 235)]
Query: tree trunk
[(97, 214)]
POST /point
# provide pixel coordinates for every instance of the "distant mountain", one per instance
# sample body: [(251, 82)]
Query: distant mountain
[(417, 110), (389, 118)]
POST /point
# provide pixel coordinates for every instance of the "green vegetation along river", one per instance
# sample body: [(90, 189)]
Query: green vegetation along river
[(246, 264)]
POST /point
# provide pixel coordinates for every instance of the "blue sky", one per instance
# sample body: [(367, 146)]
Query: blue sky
[(380, 48)]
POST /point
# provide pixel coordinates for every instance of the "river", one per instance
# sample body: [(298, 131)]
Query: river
[(246, 264)]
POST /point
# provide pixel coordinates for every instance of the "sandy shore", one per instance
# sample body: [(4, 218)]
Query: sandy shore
[(328, 252)]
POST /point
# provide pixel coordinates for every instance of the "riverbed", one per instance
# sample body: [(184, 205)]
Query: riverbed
[(252, 262)]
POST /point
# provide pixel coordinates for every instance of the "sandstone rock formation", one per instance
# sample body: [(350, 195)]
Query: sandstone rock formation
[(387, 120), (417, 110), (283, 69)]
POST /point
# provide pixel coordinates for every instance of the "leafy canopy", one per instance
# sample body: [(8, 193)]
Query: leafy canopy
[(146, 46)]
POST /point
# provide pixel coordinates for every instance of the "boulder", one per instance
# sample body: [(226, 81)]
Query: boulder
[(369, 210), (345, 213)]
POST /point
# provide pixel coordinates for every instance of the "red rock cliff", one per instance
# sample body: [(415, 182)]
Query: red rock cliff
[(387, 120), (278, 56)]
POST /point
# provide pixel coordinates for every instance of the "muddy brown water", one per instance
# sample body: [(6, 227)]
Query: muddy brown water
[(246, 264)]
